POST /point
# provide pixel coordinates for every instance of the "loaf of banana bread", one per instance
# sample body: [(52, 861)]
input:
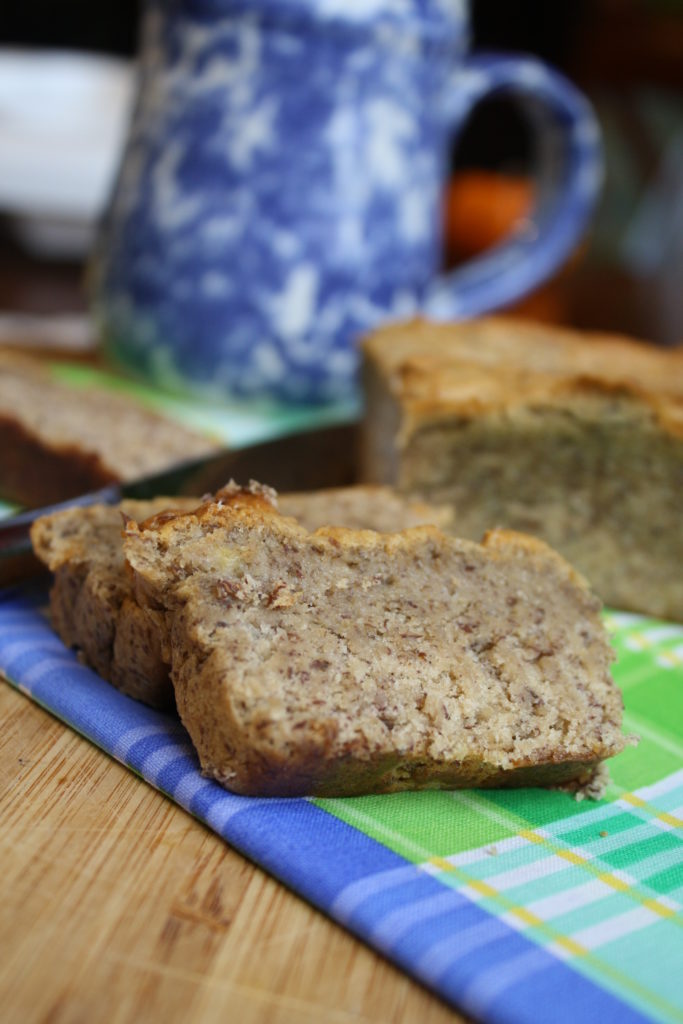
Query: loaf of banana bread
[(574, 438), (343, 662)]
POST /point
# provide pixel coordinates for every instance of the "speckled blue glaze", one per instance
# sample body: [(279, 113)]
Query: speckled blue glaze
[(281, 189)]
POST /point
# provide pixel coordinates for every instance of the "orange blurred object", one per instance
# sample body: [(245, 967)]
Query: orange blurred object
[(481, 208)]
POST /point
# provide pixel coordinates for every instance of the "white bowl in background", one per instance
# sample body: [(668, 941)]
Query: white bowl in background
[(63, 121)]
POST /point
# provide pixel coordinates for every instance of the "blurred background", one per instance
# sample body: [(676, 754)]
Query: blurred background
[(66, 84)]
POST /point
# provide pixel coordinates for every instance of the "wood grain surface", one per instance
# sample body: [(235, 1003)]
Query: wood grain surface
[(117, 906)]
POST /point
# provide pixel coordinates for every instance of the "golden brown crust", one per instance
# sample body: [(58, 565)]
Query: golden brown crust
[(471, 368), (252, 507)]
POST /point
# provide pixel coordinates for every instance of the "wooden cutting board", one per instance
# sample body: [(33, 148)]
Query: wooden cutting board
[(117, 906)]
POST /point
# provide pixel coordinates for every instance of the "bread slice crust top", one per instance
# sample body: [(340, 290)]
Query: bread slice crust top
[(499, 364)]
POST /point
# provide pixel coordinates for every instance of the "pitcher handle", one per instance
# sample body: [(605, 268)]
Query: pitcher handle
[(569, 181)]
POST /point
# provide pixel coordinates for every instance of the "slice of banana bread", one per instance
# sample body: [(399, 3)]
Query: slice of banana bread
[(92, 604), (344, 662), (57, 441), (575, 438)]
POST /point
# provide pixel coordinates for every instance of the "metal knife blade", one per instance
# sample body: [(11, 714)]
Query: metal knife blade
[(305, 461)]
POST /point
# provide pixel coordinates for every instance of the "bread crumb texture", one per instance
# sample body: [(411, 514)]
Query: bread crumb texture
[(344, 661)]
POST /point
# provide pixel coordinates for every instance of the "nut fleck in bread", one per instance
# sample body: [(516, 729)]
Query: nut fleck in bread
[(577, 439), (344, 662), (57, 441), (92, 604)]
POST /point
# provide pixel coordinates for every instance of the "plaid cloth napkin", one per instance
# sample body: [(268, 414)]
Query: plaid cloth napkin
[(515, 906)]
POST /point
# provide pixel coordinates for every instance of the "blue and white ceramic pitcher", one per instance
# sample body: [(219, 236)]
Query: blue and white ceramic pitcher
[(281, 190)]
